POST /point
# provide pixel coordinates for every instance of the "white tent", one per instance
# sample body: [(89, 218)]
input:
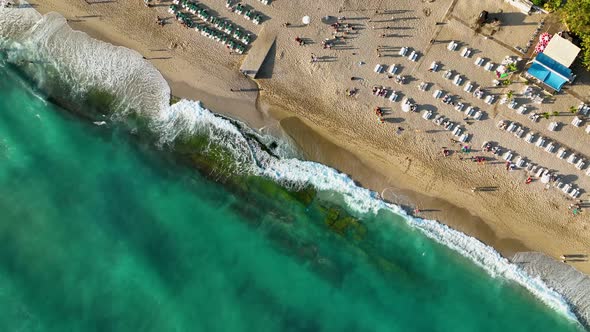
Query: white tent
[(561, 50)]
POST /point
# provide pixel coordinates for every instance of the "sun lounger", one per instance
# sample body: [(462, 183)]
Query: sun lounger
[(566, 188), (427, 115), (539, 172), (490, 99), (403, 51), (546, 177), (577, 121), (588, 129), (470, 111), (413, 56), (452, 46), (530, 137), (508, 155), (458, 80), (561, 153), (520, 162), (572, 159), (434, 66), (550, 148), (479, 62), (489, 66), (392, 69), (448, 74), (468, 87), (581, 164), (393, 96), (466, 52), (459, 107), (513, 105), (437, 94), (511, 127), (541, 142), (553, 126), (423, 86), (522, 109), (378, 69), (458, 131), (519, 132), (464, 138), (478, 115), (575, 193)]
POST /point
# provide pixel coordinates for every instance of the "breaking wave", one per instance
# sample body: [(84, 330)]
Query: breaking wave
[(87, 64)]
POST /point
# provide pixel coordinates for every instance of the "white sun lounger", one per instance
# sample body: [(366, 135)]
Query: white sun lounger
[(550, 148), (561, 153), (458, 131), (541, 142), (466, 52), (427, 115), (490, 99), (519, 132), (479, 62), (566, 189), (511, 127), (393, 96), (508, 155), (437, 94), (489, 66), (393, 69), (572, 159), (452, 46), (434, 66), (577, 121), (581, 164), (539, 172), (575, 193), (413, 56), (464, 138), (530, 137), (459, 107), (588, 129), (458, 80), (468, 87), (378, 69), (553, 126), (403, 51), (478, 115), (470, 111), (520, 162), (448, 74), (522, 109), (513, 105)]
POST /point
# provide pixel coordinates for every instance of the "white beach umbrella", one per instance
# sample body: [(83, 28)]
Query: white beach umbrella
[(306, 20)]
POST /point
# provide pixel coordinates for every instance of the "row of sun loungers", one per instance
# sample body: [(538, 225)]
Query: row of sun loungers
[(223, 32), (412, 56), (248, 13), (466, 53), (550, 147)]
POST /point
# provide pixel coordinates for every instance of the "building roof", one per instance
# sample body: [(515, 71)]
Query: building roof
[(562, 50), (549, 71)]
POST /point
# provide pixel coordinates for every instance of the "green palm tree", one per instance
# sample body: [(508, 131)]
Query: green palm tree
[(573, 109), (545, 115), (556, 113), (509, 94)]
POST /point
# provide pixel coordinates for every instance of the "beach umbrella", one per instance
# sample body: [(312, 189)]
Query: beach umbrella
[(306, 20)]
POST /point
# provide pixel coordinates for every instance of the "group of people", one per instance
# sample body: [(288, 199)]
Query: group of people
[(379, 113)]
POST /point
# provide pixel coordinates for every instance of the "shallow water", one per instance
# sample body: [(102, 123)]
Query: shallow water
[(103, 232)]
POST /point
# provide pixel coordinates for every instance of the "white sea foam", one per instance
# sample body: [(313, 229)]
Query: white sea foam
[(88, 63), (45, 45)]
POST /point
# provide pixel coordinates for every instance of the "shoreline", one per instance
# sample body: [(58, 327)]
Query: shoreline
[(404, 169), (395, 169)]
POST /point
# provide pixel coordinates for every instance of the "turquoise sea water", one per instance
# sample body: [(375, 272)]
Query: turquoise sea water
[(102, 231)]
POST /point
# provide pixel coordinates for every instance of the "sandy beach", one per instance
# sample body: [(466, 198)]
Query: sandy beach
[(308, 100)]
